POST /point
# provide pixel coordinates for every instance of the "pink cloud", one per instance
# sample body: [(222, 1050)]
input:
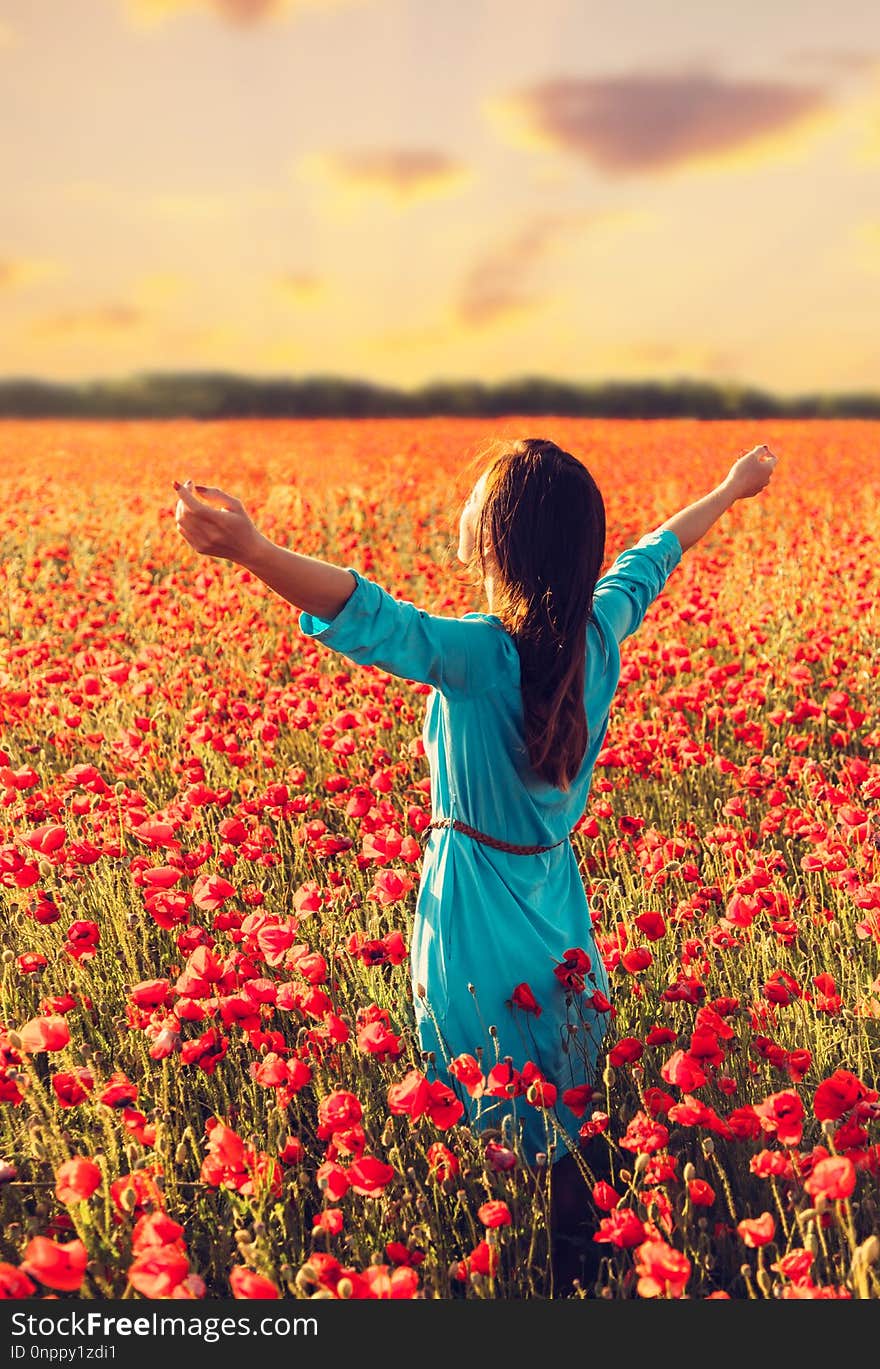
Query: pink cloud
[(646, 122)]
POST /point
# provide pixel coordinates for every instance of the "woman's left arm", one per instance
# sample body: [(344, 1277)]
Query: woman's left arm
[(222, 528)]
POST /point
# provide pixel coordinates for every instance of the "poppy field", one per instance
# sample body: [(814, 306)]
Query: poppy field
[(210, 839)]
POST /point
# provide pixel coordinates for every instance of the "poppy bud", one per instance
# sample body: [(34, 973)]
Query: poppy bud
[(344, 1288), (688, 1173), (608, 1076), (708, 1146)]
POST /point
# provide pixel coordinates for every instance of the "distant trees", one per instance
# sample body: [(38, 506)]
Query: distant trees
[(220, 394)]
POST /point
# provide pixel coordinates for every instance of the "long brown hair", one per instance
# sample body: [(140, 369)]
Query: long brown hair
[(541, 532)]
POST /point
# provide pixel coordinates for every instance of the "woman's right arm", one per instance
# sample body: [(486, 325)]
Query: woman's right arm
[(746, 477)]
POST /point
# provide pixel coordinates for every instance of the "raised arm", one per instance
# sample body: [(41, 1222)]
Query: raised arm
[(623, 595), (222, 528), (342, 608), (746, 477)]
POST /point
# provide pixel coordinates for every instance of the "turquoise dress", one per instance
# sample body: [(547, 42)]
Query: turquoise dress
[(486, 920)]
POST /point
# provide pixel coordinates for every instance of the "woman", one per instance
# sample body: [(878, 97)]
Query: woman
[(504, 969)]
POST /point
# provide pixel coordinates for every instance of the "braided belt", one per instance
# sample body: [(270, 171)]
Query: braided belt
[(494, 841)]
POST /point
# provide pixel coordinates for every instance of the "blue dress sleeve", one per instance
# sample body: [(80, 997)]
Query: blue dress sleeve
[(624, 595), (373, 628)]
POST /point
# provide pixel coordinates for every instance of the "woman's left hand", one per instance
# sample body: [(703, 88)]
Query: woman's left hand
[(218, 528)]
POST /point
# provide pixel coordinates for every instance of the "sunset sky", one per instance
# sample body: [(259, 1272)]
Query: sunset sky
[(416, 190)]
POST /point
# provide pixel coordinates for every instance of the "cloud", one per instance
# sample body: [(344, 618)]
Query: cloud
[(498, 283), (108, 318), (651, 122), (241, 13), (404, 174), (23, 270), (8, 35)]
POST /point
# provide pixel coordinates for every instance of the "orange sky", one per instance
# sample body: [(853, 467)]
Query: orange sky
[(407, 190)]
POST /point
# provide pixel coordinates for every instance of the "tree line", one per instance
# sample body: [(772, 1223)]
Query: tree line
[(222, 395)]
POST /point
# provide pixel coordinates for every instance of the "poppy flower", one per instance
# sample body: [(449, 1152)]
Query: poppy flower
[(159, 1271), (246, 1284), (757, 1231), (14, 1283), (61, 1267), (662, 1271), (522, 997), (494, 1213), (834, 1178), (76, 1180), (369, 1176), (44, 1034), (442, 1162), (837, 1095)]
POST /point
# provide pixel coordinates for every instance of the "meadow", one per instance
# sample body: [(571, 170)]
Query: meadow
[(210, 840)]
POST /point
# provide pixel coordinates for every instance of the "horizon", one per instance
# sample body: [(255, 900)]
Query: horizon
[(380, 190)]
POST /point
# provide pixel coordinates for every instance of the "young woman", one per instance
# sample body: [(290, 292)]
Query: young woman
[(503, 964)]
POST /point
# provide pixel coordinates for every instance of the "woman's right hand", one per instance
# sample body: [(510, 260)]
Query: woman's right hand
[(217, 524), (751, 473)]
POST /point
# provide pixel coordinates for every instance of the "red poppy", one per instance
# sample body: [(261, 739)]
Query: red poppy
[(605, 1197), (159, 1271), (622, 1228), (71, 1088), (662, 1271), (44, 1034), (14, 1283), (445, 1108), (834, 1178), (757, 1231), (62, 1267), (701, 1193), (837, 1095), (369, 1176), (467, 1071), (76, 1180), (330, 1220), (246, 1284), (494, 1213), (627, 1050), (523, 997), (442, 1163)]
